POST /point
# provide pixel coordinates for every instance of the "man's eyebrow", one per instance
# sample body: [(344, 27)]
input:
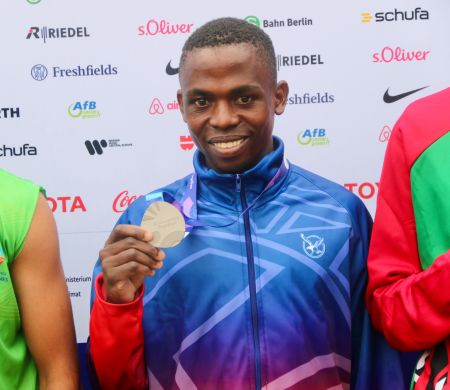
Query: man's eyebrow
[(245, 89), (197, 91)]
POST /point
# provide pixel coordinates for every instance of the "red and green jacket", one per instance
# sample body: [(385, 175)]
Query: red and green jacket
[(408, 292)]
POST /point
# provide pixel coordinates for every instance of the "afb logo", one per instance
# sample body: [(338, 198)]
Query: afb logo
[(315, 137), (86, 109), (313, 246), (39, 72)]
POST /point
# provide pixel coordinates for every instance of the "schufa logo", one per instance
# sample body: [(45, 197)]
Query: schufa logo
[(123, 200)]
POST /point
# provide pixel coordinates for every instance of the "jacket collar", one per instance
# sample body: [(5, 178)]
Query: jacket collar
[(222, 188)]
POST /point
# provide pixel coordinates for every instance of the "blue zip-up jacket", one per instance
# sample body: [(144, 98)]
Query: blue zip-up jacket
[(273, 301)]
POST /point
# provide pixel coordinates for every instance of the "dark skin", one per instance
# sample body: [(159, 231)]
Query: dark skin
[(228, 100)]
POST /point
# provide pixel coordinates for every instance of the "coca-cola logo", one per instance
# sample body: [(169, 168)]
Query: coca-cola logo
[(164, 27), (66, 204), (365, 190), (123, 200), (398, 54)]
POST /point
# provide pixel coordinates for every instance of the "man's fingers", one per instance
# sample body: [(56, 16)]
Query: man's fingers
[(135, 255), (122, 231)]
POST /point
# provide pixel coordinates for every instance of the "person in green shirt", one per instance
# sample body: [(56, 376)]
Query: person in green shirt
[(37, 336)]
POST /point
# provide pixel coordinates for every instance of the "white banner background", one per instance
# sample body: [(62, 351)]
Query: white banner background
[(353, 139)]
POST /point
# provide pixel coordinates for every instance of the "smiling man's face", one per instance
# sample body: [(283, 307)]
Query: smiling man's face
[(228, 100)]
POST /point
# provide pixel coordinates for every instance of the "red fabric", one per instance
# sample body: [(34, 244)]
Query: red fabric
[(409, 305), (117, 342)]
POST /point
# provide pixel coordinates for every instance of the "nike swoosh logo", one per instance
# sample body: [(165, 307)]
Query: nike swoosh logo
[(171, 71), (393, 98)]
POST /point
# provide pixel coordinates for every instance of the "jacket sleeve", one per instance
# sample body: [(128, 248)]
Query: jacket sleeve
[(375, 365), (117, 342), (411, 306)]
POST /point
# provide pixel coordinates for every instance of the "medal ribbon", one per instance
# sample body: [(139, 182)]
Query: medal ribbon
[(188, 204)]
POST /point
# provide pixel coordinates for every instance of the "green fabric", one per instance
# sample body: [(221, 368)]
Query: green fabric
[(430, 187), (18, 200)]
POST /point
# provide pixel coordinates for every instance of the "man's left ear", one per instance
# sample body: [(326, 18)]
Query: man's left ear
[(281, 95), (180, 104)]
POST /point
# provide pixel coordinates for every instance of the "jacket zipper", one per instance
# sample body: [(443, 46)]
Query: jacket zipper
[(251, 281)]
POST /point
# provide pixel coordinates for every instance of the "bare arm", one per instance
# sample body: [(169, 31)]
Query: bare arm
[(44, 303)]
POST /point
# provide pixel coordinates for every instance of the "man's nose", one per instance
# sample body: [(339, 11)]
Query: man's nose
[(223, 115)]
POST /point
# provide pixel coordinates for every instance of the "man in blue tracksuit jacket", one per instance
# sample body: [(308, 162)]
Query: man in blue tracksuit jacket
[(267, 289)]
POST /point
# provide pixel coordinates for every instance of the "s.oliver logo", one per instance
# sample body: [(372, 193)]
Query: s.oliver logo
[(164, 27), (123, 200), (66, 204), (365, 190), (398, 54)]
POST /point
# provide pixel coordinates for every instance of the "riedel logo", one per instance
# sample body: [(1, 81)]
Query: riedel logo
[(299, 60), (365, 190), (157, 108), (123, 200), (46, 33), (163, 27), (389, 54), (66, 204), (186, 142)]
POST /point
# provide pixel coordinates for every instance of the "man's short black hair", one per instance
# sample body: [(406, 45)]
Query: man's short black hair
[(232, 31)]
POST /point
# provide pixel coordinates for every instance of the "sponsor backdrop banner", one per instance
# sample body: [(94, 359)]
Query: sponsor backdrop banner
[(88, 100)]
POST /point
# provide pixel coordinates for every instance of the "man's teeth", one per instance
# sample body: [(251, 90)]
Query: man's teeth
[(228, 145)]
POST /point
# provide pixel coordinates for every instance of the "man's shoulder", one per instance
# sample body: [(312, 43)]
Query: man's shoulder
[(332, 191)]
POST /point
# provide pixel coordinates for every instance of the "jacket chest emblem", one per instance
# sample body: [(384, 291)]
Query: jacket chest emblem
[(313, 245)]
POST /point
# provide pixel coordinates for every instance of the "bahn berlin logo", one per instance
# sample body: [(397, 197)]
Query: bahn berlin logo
[(311, 98), (299, 60), (266, 23), (40, 72), (396, 15), (98, 146), (9, 112), (163, 27), (46, 33), (18, 151), (84, 110)]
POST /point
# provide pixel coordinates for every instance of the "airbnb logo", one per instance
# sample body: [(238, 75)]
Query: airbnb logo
[(365, 190), (388, 54), (164, 27), (66, 204), (123, 200), (385, 134), (186, 142), (156, 107)]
